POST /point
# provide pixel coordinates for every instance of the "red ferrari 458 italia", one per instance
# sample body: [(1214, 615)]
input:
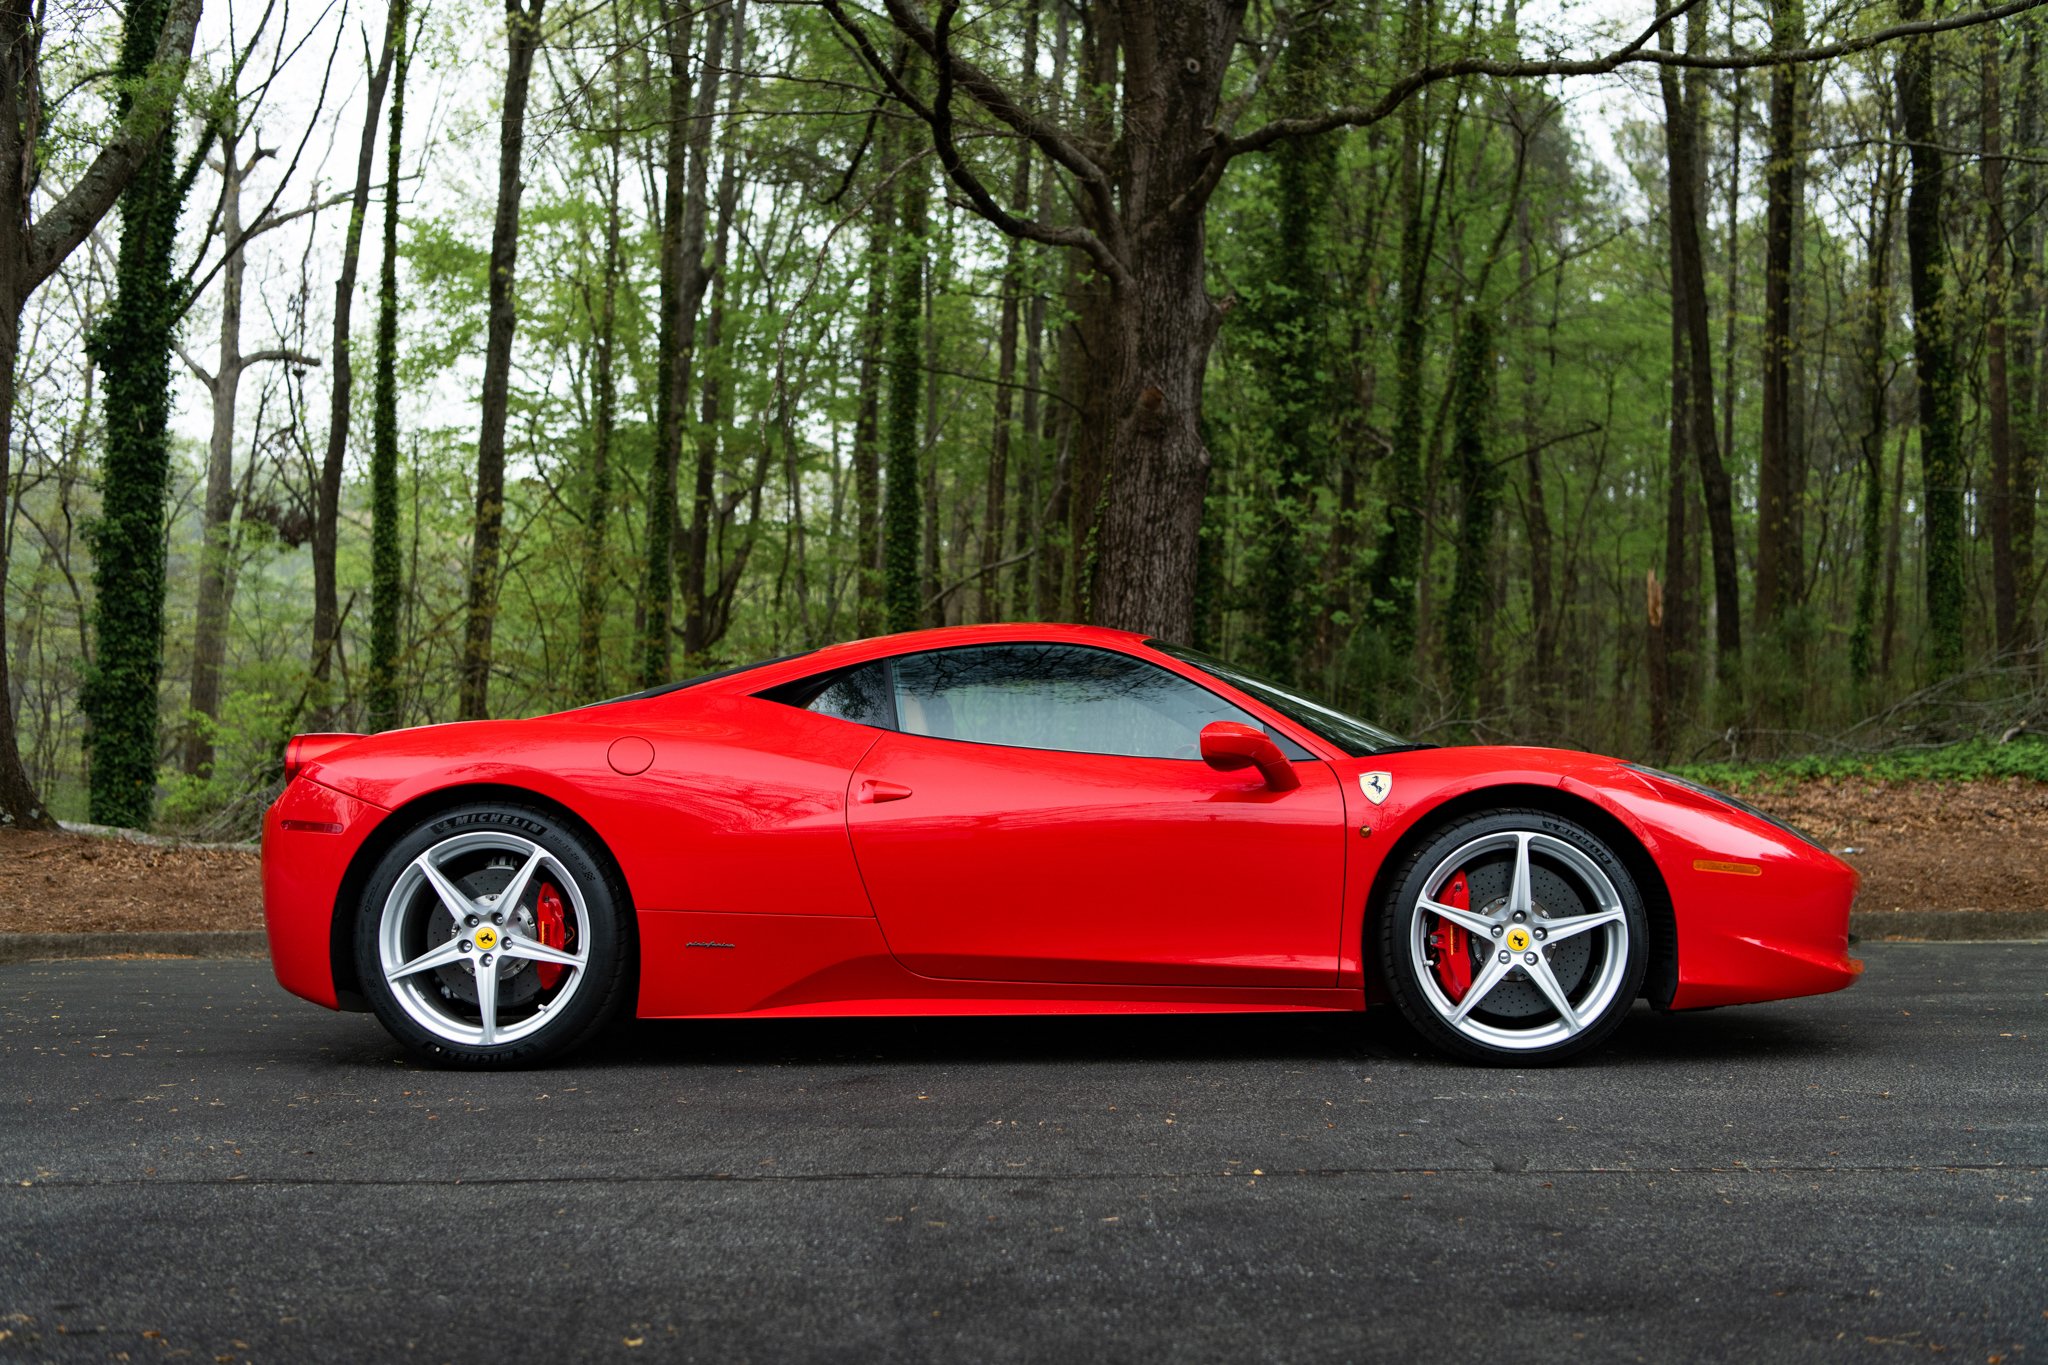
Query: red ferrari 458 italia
[(1026, 819)]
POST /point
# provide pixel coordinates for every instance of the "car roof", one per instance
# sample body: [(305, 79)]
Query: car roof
[(914, 641)]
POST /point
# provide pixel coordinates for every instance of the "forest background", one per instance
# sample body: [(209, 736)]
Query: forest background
[(1670, 384)]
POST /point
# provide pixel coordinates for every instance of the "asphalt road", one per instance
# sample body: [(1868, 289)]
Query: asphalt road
[(198, 1167)]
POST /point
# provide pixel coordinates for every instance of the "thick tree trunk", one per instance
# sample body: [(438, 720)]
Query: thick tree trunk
[(1163, 324), (1941, 463), (131, 344), (327, 493), (522, 42), (386, 575), (31, 249)]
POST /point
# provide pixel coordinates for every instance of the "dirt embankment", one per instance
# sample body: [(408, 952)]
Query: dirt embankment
[(1930, 846), (1920, 846)]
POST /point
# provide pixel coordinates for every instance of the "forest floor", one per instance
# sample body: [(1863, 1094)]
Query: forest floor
[(1958, 846)]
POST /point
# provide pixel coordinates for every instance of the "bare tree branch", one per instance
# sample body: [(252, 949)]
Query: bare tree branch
[(939, 117), (1635, 52)]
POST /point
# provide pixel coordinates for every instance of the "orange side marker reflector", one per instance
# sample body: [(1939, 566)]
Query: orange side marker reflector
[(1734, 869), (310, 826)]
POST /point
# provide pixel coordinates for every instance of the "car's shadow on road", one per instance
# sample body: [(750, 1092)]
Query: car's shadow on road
[(1646, 1038)]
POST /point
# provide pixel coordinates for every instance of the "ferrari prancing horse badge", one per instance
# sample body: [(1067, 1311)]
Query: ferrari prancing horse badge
[(1376, 786)]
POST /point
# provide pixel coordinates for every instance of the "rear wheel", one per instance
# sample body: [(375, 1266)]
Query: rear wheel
[(493, 935), (1514, 937)]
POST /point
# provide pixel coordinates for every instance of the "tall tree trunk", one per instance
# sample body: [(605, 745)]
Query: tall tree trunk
[(1732, 257), (20, 806), (132, 347), (2029, 402), (692, 275), (1291, 353), (671, 384), (1778, 557), (387, 587), (216, 553), (935, 609), (1397, 557), (1690, 292), (901, 514), (1863, 662), (2005, 493), (867, 431), (327, 494), (1676, 647), (1472, 415), (989, 595), (590, 601), (1542, 602), (1941, 463), (522, 41)]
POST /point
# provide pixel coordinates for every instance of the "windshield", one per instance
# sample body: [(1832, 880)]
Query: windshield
[(1347, 732)]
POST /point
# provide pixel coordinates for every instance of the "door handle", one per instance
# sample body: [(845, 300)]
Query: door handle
[(874, 793)]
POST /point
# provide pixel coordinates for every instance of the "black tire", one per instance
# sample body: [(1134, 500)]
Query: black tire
[(478, 850), (1584, 934)]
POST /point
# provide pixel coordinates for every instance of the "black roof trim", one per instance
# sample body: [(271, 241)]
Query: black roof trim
[(665, 688)]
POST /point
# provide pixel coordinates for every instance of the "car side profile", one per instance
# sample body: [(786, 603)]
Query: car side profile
[(1019, 819)]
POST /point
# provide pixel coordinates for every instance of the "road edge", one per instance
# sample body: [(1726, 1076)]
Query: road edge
[(196, 943), (1929, 926)]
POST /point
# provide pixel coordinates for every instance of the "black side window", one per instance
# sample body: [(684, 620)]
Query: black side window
[(859, 694), (1052, 696)]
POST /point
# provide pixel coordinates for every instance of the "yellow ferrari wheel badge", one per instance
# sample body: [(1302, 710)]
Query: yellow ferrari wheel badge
[(487, 938), (1518, 939)]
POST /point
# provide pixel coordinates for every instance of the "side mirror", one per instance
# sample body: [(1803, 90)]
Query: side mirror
[(1229, 745)]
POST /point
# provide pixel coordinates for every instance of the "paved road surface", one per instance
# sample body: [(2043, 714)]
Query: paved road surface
[(196, 1166)]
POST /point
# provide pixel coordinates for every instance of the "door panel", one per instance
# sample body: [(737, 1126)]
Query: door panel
[(1007, 864)]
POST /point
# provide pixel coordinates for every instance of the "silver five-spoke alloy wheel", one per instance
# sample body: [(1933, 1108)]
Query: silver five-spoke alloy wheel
[(1545, 953), (462, 938)]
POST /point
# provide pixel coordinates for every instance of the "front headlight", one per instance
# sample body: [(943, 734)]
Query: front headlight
[(1733, 801)]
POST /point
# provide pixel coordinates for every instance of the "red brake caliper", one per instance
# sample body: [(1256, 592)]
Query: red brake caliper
[(554, 933), (1453, 961)]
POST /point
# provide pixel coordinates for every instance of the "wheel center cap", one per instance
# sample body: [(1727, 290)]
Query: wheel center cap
[(487, 938), (1518, 939)]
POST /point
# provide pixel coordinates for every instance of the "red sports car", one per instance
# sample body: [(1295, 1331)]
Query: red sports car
[(1027, 819)]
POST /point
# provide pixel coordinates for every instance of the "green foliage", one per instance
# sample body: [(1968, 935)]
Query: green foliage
[(2024, 757), (1370, 519)]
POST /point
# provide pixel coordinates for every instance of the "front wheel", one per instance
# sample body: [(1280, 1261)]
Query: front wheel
[(1514, 937), (493, 935)]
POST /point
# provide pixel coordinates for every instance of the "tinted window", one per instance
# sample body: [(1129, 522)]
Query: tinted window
[(1049, 696), (859, 694)]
